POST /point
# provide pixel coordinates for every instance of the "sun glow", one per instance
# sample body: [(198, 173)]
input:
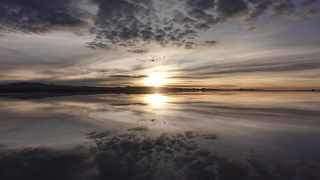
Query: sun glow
[(156, 79), (156, 100)]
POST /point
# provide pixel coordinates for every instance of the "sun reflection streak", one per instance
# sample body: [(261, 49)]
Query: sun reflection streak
[(156, 100)]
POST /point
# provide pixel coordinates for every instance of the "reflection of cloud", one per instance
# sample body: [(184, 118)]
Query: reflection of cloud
[(136, 155), (44, 163)]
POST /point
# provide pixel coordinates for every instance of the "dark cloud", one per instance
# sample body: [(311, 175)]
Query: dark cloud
[(128, 76), (231, 8), (209, 43), (124, 23), (191, 45), (310, 8), (138, 23), (152, 59), (260, 7), (311, 12), (308, 2), (133, 24), (201, 4), (284, 8), (137, 51), (39, 15)]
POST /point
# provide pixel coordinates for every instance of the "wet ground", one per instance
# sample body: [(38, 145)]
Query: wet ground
[(218, 135)]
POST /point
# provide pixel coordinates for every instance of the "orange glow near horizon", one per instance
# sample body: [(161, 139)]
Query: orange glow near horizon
[(156, 79)]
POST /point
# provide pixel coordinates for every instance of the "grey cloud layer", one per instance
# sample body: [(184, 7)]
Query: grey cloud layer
[(309, 9), (273, 65), (136, 23), (39, 15), (178, 22)]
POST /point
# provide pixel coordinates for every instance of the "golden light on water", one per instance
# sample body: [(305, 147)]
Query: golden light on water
[(156, 79), (156, 100)]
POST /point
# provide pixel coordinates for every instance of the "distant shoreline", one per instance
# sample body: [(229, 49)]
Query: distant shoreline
[(36, 88)]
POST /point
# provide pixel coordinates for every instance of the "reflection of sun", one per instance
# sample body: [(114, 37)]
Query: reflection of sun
[(156, 79), (155, 99)]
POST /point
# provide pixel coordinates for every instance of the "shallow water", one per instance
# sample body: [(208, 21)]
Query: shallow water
[(218, 135)]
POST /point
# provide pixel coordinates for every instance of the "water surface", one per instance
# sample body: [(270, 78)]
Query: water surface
[(216, 135)]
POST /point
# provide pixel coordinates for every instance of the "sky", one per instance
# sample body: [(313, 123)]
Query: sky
[(267, 44)]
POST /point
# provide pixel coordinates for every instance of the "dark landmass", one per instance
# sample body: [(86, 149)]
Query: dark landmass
[(52, 89)]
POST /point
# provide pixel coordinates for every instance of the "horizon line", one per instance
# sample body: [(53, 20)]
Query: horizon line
[(195, 88)]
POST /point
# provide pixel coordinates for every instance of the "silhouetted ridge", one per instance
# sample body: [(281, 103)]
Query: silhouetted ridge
[(35, 87)]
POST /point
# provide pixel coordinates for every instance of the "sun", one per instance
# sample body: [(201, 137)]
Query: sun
[(156, 79)]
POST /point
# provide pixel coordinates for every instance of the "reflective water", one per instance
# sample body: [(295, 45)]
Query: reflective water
[(220, 135)]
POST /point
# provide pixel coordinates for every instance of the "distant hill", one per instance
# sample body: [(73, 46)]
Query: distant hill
[(52, 88), (30, 87), (34, 87)]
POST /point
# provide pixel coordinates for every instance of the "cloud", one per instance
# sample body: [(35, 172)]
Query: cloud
[(152, 59), (231, 8), (191, 44), (309, 8), (260, 7), (129, 76), (34, 53), (201, 4), (176, 22), (308, 2), (135, 24), (39, 15), (269, 64), (284, 8), (137, 51), (139, 23)]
